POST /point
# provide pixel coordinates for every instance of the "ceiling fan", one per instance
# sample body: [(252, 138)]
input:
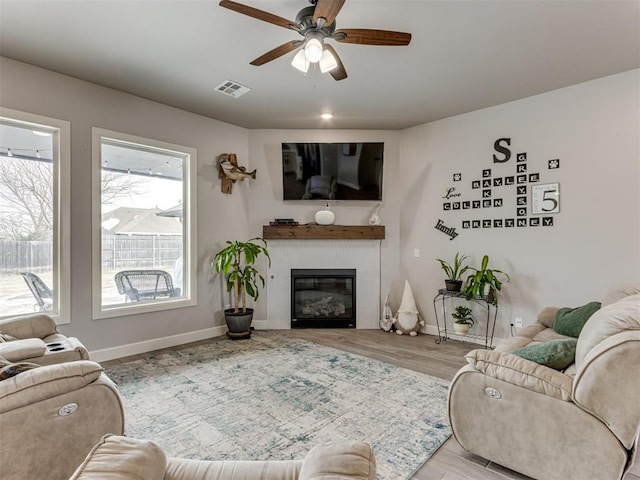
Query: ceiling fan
[(317, 23)]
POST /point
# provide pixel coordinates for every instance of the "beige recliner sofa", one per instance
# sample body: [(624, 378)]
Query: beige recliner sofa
[(579, 423), (51, 417), (35, 338), (122, 457)]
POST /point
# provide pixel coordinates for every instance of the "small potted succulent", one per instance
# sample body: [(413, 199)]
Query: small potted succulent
[(236, 262), (454, 272), (463, 319)]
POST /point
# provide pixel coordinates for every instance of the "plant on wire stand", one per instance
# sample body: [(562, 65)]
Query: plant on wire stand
[(463, 319), (236, 261), (485, 283), (454, 272)]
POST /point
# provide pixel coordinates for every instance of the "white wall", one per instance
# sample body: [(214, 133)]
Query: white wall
[(220, 217), (265, 196), (594, 129)]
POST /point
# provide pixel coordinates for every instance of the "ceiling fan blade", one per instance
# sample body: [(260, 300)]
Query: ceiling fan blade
[(327, 9), (277, 52), (338, 73), (260, 14), (366, 36)]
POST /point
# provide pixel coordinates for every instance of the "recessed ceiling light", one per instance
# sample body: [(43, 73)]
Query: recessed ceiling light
[(326, 116)]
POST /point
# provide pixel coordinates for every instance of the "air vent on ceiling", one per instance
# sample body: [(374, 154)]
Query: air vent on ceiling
[(233, 89)]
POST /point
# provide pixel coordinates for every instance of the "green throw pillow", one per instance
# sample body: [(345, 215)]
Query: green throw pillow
[(569, 321), (556, 354)]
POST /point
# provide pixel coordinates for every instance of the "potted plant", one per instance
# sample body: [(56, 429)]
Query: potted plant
[(463, 320), (236, 261), (485, 282), (454, 272)]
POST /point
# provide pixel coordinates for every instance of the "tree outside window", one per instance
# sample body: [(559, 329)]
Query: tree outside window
[(32, 175), (143, 220)]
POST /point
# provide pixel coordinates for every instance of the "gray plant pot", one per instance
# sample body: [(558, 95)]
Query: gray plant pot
[(239, 324)]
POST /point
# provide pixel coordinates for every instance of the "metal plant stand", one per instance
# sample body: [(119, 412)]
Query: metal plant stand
[(443, 333)]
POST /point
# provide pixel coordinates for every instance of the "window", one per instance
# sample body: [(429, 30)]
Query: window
[(144, 229), (34, 215)]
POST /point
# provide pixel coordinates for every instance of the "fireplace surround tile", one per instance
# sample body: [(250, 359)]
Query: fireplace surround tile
[(362, 255)]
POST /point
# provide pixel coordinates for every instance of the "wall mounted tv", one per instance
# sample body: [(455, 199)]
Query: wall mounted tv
[(332, 171)]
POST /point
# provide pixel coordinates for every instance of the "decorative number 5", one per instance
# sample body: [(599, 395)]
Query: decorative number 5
[(553, 201)]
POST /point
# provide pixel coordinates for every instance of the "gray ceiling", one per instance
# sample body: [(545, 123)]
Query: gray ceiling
[(464, 55)]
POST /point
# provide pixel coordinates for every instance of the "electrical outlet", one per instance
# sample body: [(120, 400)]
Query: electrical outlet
[(518, 322), (227, 306), (416, 252)]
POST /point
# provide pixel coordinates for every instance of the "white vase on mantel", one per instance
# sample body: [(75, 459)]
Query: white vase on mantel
[(326, 216)]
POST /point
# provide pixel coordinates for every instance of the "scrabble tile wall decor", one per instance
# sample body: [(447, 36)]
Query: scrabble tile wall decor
[(509, 194)]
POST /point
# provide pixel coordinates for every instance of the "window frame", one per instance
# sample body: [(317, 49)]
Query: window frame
[(189, 194), (61, 137)]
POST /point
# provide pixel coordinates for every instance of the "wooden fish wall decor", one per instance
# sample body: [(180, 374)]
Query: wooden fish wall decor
[(229, 172)]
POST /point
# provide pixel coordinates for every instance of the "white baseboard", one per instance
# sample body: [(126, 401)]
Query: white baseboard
[(121, 351), (433, 330), (155, 344), (260, 324)]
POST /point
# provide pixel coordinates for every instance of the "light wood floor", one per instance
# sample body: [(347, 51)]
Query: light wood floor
[(421, 354)]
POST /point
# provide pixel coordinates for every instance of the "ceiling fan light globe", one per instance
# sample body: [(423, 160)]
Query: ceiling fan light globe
[(313, 50), (300, 62), (327, 62)]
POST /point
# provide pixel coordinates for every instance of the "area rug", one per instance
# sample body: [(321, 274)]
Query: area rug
[(275, 397)]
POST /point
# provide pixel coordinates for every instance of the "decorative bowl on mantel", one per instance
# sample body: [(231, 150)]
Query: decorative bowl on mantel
[(325, 217)]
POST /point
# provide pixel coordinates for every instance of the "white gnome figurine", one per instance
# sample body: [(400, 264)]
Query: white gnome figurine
[(407, 319), (386, 321)]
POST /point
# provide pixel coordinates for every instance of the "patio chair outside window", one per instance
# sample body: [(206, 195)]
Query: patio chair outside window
[(40, 291), (139, 285)]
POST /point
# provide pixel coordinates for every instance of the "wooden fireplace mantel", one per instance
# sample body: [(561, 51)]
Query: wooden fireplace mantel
[(323, 232)]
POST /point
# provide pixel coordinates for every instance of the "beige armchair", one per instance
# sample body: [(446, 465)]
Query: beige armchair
[(51, 416), (579, 423), (35, 338), (121, 457)]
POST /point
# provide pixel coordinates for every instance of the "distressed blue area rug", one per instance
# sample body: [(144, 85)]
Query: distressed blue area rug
[(275, 397)]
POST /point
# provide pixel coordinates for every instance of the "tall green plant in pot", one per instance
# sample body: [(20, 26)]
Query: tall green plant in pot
[(454, 271), (236, 261), (485, 282)]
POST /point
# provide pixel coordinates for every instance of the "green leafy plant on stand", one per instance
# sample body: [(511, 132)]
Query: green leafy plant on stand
[(485, 282), (463, 319), (463, 316), (455, 271)]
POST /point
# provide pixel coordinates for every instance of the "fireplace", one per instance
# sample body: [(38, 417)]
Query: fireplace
[(323, 298)]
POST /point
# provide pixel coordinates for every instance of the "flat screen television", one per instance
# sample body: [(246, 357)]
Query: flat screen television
[(332, 171)]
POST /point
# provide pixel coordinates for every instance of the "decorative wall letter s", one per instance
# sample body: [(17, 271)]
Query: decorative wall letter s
[(498, 147)]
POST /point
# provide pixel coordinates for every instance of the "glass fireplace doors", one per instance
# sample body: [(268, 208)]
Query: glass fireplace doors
[(323, 298)]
